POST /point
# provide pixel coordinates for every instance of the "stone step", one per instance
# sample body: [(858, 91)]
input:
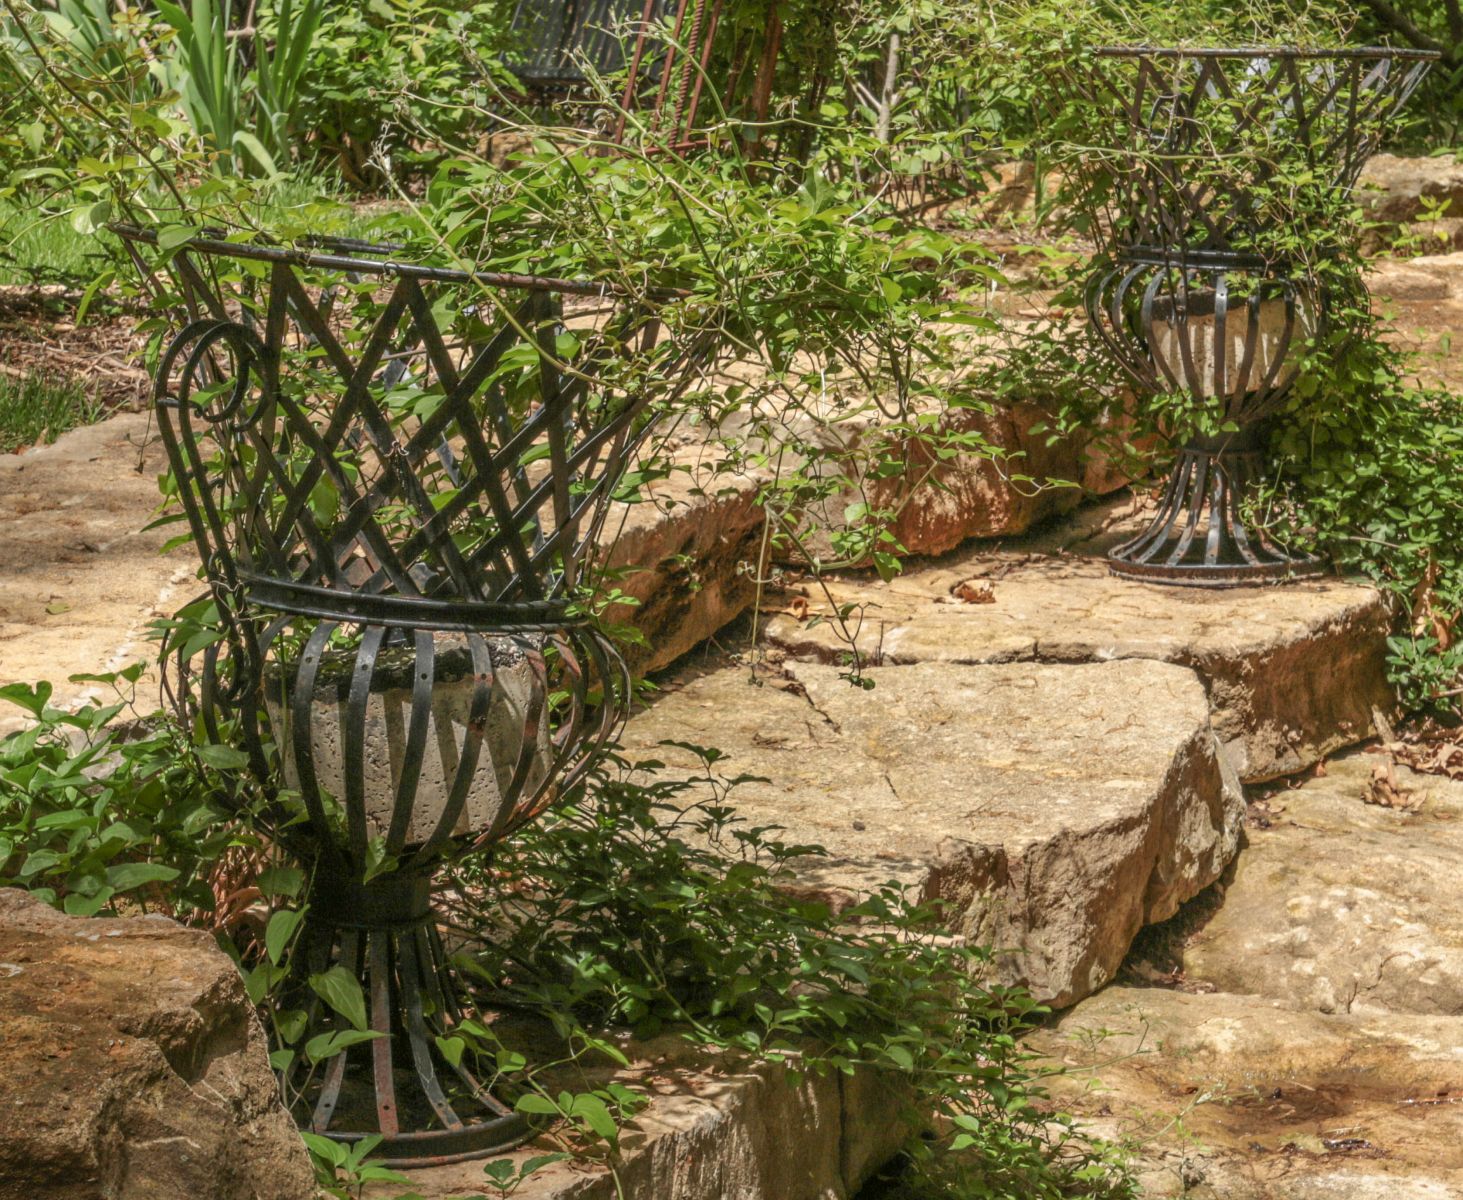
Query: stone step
[(714, 1127), (1232, 1097), (1292, 672), (1342, 906), (1316, 1047), (1054, 809), (81, 580)]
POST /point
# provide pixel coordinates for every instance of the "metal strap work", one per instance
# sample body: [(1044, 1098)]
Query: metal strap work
[(396, 478), (1186, 144), (554, 40), (664, 48), (1168, 108)]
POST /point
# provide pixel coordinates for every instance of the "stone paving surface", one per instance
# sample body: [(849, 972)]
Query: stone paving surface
[(1310, 1036), (1293, 673), (1054, 810)]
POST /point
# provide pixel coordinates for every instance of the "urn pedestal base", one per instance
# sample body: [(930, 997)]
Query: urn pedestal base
[(428, 1109), (1199, 537)]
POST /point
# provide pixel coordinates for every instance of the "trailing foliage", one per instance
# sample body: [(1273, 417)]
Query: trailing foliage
[(642, 904)]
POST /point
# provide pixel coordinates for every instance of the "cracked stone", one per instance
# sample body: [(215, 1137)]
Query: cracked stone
[(1342, 906), (1293, 673), (1052, 810)]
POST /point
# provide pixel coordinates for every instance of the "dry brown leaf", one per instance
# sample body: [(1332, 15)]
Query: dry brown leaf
[(1386, 791), (974, 591), (1430, 758)]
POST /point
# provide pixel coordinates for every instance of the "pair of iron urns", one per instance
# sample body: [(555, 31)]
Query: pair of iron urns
[(396, 476)]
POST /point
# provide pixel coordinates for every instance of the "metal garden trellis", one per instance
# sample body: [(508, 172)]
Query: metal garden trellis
[(1179, 299), (396, 476)]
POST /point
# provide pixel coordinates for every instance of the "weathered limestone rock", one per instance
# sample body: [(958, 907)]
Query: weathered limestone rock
[(689, 553), (716, 1129), (1053, 809), (970, 495), (1426, 277), (1342, 906), (1292, 673), (133, 1066), (1392, 189), (1239, 1098), (687, 556)]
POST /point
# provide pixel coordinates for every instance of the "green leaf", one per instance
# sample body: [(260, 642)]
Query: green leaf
[(539, 1161), (328, 1045), (170, 237), (326, 1149), (291, 1025), (131, 875), (281, 881), (532, 1102), (256, 151), (32, 699), (901, 1056), (342, 991), (452, 1048), (280, 930), (222, 758), (591, 1110), (78, 905)]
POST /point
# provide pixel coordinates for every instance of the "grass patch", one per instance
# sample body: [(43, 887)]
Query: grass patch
[(39, 245), (40, 408)]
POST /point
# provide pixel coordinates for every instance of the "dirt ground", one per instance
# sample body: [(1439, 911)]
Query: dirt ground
[(38, 334)]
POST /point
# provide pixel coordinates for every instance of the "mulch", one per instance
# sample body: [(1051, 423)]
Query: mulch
[(39, 335)]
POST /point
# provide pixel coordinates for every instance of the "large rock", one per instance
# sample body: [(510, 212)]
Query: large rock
[(1292, 672), (938, 506), (688, 554), (1238, 1098), (1342, 906), (133, 1066), (1392, 189), (1054, 810), (716, 1128), (1427, 277)]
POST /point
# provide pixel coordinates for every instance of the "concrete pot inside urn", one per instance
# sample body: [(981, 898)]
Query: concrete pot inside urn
[(516, 734)]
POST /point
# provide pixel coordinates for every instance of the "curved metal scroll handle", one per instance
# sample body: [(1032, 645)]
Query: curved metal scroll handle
[(200, 483)]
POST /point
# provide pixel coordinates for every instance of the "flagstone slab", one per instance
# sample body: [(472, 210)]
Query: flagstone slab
[(1240, 1097), (1052, 810), (1341, 906), (1293, 672)]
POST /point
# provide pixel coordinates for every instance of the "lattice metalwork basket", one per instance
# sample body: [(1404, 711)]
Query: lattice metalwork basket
[(1185, 147), (397, 476)]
